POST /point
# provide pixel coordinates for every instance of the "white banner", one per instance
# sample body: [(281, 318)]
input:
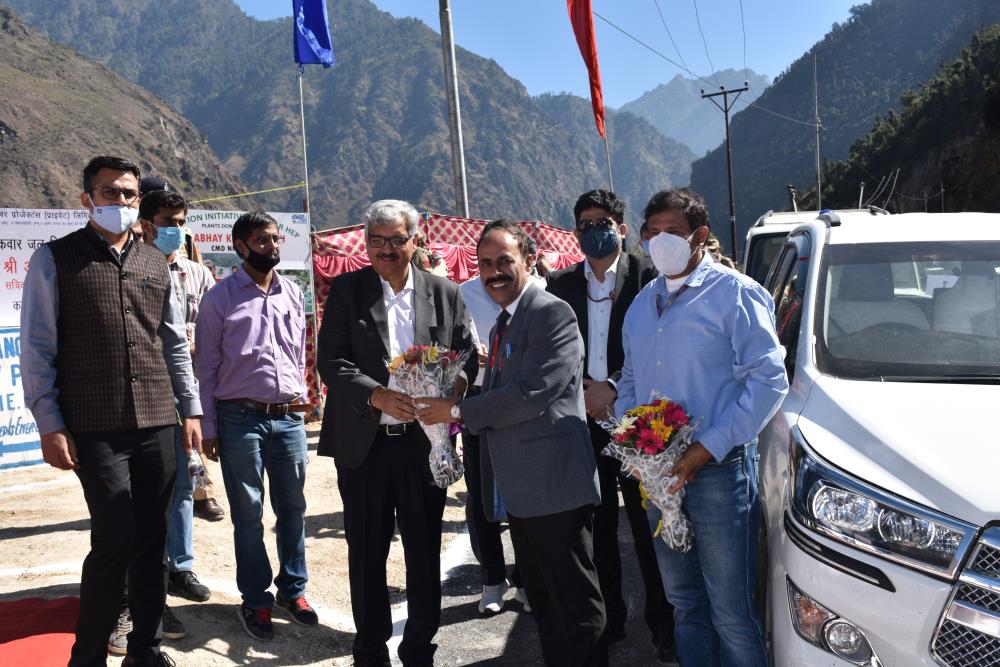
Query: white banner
[(19, 441)]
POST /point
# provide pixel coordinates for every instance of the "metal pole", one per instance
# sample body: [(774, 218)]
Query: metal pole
[(861, 195), (725, 107), (819, 177), (305, 159), (454, 111), (607, 154)]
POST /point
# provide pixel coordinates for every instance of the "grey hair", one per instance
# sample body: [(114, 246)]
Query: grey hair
[(389, 211)]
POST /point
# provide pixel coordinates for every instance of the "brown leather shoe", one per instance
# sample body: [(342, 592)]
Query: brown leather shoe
[(208, 510)]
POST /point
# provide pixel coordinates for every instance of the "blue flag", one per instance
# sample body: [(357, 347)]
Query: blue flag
[(312, 34)]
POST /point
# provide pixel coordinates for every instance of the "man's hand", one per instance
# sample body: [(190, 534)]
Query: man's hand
[(394, 403), (461, 384), (694, 458), (59, 450), (210, 449), (191, 435), (484, 352), (599, 398), (437, 410)]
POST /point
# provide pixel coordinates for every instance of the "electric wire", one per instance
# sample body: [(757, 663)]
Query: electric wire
[(697, 18), (692, 73), (743, 27), (669, 36)]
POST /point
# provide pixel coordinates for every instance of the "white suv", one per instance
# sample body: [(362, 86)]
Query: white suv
[(880, 474)]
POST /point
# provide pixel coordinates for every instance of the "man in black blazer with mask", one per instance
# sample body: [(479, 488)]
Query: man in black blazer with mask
[(369, 429), (600, 290)]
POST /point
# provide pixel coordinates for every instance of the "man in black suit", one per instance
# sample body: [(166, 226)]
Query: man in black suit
[(369, 429), (600, 290)]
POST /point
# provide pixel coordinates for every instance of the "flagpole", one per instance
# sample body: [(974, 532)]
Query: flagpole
[(312, 276), (607, 154)]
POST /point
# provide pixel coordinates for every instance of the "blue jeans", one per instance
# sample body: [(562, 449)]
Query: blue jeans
[(180, 515), (251, 443), (716, 621)]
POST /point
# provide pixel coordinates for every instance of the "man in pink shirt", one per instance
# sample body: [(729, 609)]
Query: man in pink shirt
[(250, 361)]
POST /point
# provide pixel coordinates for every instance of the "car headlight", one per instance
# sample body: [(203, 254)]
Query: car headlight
[(856, 513)]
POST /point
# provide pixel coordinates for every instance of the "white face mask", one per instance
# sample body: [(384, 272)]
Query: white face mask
[(116, 219), (670, 253)]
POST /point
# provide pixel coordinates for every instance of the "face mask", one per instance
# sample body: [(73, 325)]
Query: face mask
[(645, 248), (169, 239), (261, 262), (599, 242), (670, 254), (115, 219)]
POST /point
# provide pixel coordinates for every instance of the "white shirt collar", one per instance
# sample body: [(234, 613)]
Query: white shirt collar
[(387, 291), (611, 270), (512, 306)]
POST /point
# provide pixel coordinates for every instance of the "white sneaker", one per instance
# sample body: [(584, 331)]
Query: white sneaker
[(492, 600), (522, 596)]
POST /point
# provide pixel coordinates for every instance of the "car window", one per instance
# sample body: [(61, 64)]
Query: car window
[(789, 298), (779, 271), (763, 249), (910, 310)]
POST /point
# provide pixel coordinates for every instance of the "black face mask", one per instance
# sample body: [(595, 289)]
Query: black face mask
[(261, 262)]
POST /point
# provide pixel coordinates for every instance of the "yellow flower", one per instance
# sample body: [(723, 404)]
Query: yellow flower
[(662, 430)]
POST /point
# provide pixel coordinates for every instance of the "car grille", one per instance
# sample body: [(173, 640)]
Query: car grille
[(968, 634)]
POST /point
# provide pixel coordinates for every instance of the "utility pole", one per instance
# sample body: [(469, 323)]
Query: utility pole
[(724, 108), (454, 111), (819, 177)]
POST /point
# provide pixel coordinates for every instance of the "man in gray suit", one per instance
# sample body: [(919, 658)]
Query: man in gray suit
[(538, 466)]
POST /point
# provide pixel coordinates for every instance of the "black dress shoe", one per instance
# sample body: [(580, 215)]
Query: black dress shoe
[(208, 510), (185, 584)]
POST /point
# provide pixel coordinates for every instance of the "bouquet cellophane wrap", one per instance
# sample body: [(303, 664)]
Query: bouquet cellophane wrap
[(431, 371), (655, 473)]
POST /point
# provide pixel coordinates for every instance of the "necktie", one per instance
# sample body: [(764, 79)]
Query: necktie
[(499, 329)]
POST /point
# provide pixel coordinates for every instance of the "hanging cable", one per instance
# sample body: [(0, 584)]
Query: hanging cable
[(697, 18), (669, 36), (743, 27)]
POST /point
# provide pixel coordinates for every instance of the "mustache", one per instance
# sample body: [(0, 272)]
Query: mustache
[(499, 279)]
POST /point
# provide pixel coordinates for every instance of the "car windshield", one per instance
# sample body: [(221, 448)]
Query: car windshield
[(910, 311), (763, 249)]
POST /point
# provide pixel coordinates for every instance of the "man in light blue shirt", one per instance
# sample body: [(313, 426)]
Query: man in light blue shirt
[(703, 335)]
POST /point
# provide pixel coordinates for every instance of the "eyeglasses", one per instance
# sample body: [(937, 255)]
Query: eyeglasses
[(601, 223), (110, 194), (380, 241), (263, 240)]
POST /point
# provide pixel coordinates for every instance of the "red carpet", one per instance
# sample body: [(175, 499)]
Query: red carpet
[(37, 631)]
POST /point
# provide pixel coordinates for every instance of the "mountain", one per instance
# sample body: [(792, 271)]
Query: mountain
[(59, 110), (643, 161), (947, 133), (376, 122), (864, 66), (677, 110)]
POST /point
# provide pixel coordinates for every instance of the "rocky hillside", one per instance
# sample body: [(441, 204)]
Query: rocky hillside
[(677, 110), (59, 109), (865, 65), (947, 132), (376, 121)]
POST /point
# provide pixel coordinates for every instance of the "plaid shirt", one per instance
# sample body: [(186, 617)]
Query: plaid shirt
[(191, 280)]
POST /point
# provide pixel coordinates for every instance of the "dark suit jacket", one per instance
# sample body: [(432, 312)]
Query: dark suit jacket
[(534, 443), (354, 348), (570, 285)]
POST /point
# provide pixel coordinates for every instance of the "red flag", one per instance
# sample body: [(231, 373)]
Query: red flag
[(583, 26)]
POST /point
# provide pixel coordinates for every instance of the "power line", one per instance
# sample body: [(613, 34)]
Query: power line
[(689, 71), (671, 37), (697, 18), (743, 27)]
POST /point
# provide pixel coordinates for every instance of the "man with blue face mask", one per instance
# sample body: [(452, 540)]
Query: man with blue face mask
[(703, 335), (600, 289)]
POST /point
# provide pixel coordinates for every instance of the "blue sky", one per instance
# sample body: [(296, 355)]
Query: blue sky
[(533, 41)]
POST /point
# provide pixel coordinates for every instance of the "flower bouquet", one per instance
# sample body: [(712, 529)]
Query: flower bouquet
[(431, 370), (649, 440)]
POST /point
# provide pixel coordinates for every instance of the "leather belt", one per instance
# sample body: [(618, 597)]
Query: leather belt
[(270, 409), (397, 429)]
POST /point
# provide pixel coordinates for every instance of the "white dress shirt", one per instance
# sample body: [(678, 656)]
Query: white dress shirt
[(598, 319), (399, 316), (483, 312)]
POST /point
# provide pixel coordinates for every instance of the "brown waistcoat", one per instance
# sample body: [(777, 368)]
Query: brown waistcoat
[(110, 370)]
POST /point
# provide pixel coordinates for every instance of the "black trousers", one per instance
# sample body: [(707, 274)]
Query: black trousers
[(483, 533), (658, 612), (393, 487), (555, 555), (127, 479)]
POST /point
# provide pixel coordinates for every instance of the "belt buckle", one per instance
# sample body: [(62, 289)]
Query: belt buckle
[(395, 430), (284, 410)]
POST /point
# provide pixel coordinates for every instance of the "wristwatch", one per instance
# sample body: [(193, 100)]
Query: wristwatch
[(456, 412)]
